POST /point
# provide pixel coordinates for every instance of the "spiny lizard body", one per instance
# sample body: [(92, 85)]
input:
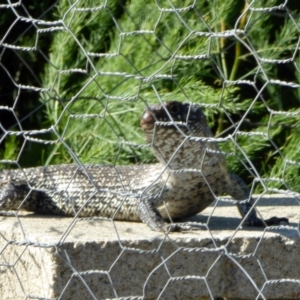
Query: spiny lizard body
[(190, 174)]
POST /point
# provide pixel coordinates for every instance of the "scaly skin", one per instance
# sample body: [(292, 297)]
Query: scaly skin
[(190, 174)]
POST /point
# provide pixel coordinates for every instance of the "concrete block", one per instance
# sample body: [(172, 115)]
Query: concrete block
[(46, 257)]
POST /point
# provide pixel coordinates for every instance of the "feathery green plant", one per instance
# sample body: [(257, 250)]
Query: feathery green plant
[(144, 41), (98, 62)]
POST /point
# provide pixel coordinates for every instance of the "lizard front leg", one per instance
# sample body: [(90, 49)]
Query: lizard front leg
[(239, 191), (150, 215)]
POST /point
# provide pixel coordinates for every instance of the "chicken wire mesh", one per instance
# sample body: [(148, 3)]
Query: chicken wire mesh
[(75, 79)]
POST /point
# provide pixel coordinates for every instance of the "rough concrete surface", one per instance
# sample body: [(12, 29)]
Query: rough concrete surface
[(53, 257)]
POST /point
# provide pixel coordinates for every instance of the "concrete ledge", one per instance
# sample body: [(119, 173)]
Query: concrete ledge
[(50, 257)]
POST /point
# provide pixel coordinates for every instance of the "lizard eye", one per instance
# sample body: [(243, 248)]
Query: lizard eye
[(174, 109)]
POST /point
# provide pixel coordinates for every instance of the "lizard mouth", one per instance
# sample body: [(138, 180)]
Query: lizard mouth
[(147, 121)]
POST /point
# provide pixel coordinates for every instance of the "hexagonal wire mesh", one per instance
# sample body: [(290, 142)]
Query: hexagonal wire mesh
[(75, 80)]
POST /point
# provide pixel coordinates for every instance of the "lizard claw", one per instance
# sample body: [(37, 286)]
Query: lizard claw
[(274, 221), (190, 226), (174, 227), (277, 221)]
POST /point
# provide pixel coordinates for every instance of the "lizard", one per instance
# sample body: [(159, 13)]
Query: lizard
[(190, 174)]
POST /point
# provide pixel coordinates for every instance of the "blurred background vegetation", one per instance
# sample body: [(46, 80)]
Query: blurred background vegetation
[(99, 68)]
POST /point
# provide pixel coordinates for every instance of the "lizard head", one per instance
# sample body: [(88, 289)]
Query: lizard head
[(173, 114), (168, 128)]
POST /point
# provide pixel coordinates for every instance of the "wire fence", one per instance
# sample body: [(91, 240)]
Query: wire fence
[(75, 80)]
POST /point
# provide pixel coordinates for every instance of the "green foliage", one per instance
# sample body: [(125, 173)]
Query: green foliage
[(10, 151), (147, 41), (96, 100)]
